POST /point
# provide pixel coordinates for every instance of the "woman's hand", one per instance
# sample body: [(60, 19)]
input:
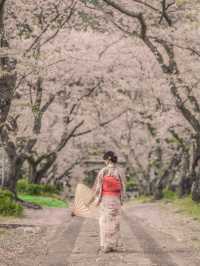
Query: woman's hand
[(73, 214)]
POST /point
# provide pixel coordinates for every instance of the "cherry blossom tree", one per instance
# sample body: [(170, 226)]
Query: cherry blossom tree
[(156, 28)]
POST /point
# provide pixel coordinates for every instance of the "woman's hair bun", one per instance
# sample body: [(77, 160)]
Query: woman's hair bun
[(110, 155)]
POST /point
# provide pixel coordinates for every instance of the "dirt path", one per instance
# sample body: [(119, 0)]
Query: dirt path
[(151, 235)]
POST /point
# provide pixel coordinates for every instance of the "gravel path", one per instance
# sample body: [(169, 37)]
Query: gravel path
[(152, 235)]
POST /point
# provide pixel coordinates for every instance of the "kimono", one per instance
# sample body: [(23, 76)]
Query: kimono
[(110, 208)]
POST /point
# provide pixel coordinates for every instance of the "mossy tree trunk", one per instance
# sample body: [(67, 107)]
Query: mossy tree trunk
[(7, 72), (7, 88)]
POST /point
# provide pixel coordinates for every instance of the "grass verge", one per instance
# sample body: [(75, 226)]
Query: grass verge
[(185, 205), (144, 199), (188, 206), (44, 201)]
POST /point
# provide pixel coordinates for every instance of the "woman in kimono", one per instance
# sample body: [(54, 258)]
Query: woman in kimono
[(109, 190)]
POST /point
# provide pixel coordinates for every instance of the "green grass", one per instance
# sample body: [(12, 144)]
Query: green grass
[(169, 195), (189, 206), (44, 201), (186, 205), (144, 199)]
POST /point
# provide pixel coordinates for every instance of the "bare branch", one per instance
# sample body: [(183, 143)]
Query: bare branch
[(47, 104), (39, 90), (67, 170), (110, 45), (101, 124), (147, 5), (46, 28), (23, 77), (164, 14), (191, 49), (40, 35), (76, 105), (72, 9), (66, 137), (132, 14), (185, 112)]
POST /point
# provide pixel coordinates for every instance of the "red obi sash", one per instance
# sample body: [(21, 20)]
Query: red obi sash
[(111, 186)]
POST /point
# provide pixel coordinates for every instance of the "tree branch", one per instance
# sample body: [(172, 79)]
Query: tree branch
[(72, 9), (164, 14), (132, 14), (147, 5), (101, 124), (47, 104), (66, 137), (185, 112)]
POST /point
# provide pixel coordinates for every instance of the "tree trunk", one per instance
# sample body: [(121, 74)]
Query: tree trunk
[(14, 173), (158, 192), (39, 168), (196, 184), (7, 73), (7, 86), (196, 190), (185, 186), (10, 181), (32, 172)]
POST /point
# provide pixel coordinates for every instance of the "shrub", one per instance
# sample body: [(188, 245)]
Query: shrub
[(24, 187), (6, 194), (34, 189), (169, 194), (8, 206), (50, 189), (131, 185)]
